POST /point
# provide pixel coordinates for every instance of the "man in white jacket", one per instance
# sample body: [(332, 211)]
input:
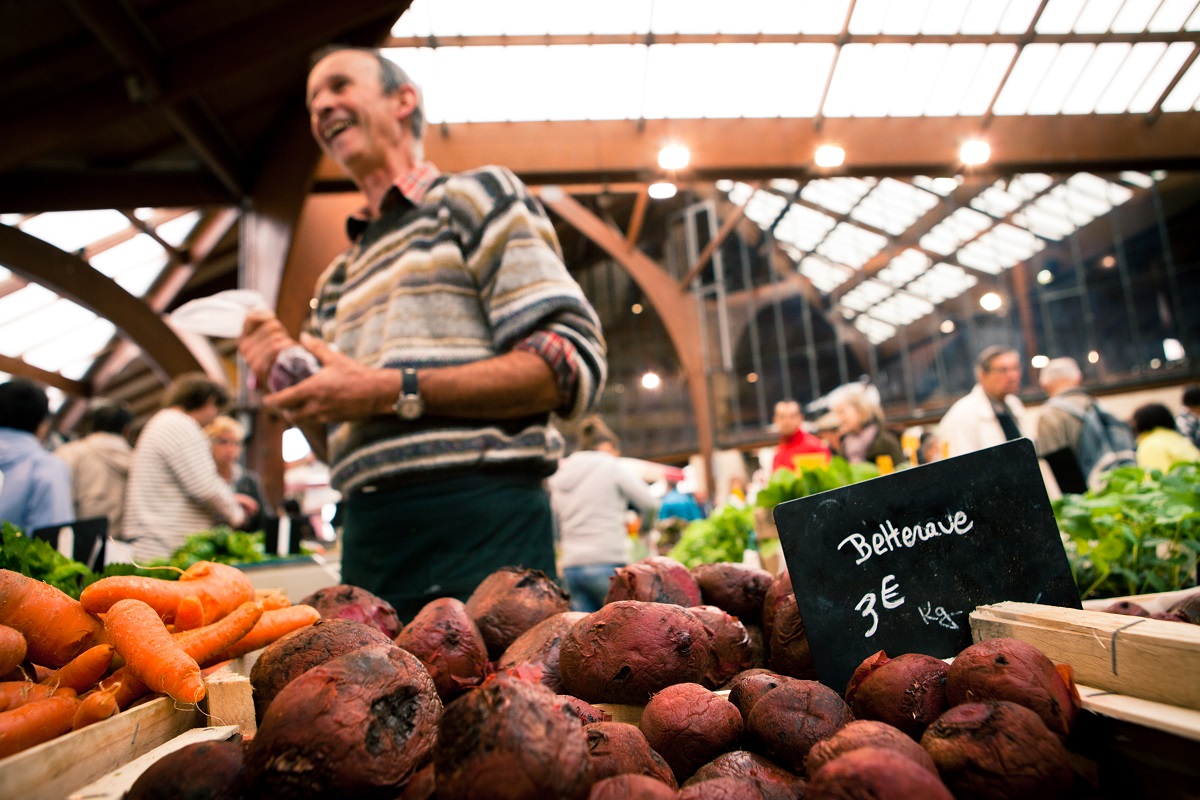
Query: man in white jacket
[(589, 495), (991, 413)]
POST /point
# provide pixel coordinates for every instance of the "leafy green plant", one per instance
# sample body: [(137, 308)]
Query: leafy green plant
[(221, 544), (786, 484), (1139, 534), (722, 537), (37, 559)]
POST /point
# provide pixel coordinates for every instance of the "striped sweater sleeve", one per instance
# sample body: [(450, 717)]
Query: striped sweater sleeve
[(510, 248), (191, 463)]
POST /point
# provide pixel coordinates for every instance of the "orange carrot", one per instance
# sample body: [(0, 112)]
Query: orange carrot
[(139, 635), (18, 693), (12, 649), (94, 707), (272, 599), (205, 644), (84, 670), (124, 686), (36, 722), (271, 626), (56, 628), (220, 589), (189, 614)]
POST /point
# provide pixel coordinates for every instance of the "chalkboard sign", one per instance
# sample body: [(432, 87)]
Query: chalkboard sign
[(899, 562)]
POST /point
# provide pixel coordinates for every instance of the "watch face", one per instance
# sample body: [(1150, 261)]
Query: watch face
[(410, 407)]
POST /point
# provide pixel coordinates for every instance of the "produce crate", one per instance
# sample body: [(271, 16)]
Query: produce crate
[(57, 769), (1139, 731)]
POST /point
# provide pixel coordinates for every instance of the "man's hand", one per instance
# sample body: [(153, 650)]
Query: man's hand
[(248, 504), (263, 338), (343, 390)]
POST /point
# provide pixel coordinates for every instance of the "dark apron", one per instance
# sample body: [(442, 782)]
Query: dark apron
[(413, 543)]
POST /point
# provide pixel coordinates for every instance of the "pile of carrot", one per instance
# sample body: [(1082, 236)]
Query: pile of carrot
[(65, 663)]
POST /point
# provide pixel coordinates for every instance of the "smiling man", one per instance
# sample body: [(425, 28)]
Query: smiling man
[(991, 413), (447, 333)]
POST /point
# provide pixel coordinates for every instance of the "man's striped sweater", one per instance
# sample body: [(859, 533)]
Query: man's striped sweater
[(466, 270)]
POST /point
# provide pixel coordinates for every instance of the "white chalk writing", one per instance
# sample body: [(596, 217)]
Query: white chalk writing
[(889, 538), (887, 592), (938, 615)]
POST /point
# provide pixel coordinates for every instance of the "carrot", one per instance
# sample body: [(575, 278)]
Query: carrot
[(207, 643), (272, 599), (56, 627), (220, 589), (94, 707), (189, 614), (82, 672), (12, 649), (271, 626), (36, 722), (18, 693), (151, 653), (125, 687)]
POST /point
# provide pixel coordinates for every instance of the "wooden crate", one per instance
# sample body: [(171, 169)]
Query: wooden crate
[(56, 769)]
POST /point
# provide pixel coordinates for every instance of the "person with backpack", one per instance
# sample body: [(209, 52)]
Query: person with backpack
[(1077, 438)]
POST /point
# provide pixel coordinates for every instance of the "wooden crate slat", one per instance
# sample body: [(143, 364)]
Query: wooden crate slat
[(114, 785)]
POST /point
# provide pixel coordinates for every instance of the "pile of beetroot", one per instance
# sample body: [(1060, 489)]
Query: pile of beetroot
[(502, 697)]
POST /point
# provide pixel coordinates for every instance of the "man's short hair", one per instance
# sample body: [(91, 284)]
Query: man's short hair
[(23, 405), (790, 402), (1191, 395), (111, 416), (1060, 369), (990, 354), (192, 390), (391, 78)]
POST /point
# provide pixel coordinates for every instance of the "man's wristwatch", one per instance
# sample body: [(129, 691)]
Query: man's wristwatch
[(409, 405)]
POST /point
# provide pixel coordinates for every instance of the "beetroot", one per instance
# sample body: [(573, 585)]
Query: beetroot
[(357, 605), (866, 733), (198, 771), (584, 712), (628, 650), (541, 645), (618, 748), (359, 725), (512, 600), (908, 691), (1009, 669), (747, 687), (787, 721), (507, 739), (656, 579), (290, 656), (689, 726), (734, 588), (877, 773), (1188, 608), (421, 786), (780, 588), (732, 650), (995, 750), (1127, 608), (631, 787), (788, 653), (728, 787), (449, 644), (775, 782)]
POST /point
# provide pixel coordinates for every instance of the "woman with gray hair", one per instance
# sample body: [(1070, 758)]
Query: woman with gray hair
[(863, 437)]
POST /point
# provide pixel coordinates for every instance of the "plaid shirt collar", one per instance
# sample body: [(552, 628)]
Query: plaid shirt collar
[(409, 187)]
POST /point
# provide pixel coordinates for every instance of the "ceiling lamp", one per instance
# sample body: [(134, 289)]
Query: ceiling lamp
[(829, 155), (651, 380), (1039, 361), (673, 156), (990, 301), (662, 190), (974, 152)]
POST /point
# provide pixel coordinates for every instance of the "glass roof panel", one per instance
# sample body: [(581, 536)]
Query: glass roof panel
[(72, 230), (1018, 15), (1059, 16), (950, 86), (22, 303), (1098, 16), (826, 16), (987, 79), (852, 75), (176, 231), (1109, 192), (126, 255), (764, 208), (1129, 78), (740, 192), (824, 275), (950, 233), (868, 17), (1064, 73), (837, 194), (4, 274), (911, 93), (1134, 16), (941, 186), (982, 17), (1193, 23), (1030, 71), (1044, 222), (139, 277), (942, 282), (1137, 178), (1000, 248), (905, 267), (904, 17), (943, 16), (1171, 15), (1186, 93), (874, 330), (865, 295), (53, 321), (1160, 77), (851, 245), (893, 206), (79, 344), (1105, 61), (996, 200), (803, 227), (785, 185), (901, 308)]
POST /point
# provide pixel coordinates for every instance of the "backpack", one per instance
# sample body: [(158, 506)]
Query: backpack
[(1105, 442)]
